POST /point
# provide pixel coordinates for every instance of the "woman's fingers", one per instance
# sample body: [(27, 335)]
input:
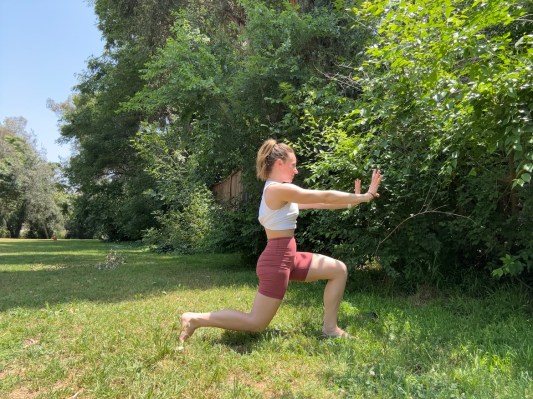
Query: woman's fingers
[(376, 181), (357, 189)]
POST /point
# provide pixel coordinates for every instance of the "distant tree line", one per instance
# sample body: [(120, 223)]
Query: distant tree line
[(436, 93), (31, 193)]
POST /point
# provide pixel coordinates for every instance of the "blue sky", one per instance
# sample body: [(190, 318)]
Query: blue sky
[(43, 46)]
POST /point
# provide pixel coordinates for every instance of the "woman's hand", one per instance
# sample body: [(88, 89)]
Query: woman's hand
[(374, 183)]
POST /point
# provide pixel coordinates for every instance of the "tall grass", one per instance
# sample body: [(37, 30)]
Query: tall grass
[(70, 329)]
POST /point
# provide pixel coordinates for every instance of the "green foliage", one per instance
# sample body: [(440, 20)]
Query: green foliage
[(186, 73), (28, 187), (211, 98), (144, 23), (188, 229), (4, 232), (105, 170), (435, 93), (445, 111), (238, 231)]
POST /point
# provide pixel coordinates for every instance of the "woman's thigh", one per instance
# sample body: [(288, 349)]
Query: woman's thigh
[(325, 268), (263, 310)]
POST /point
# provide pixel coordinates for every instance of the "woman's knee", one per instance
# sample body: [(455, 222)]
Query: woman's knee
[(258, 325), (341, 269), (337, 270), (326, 268)]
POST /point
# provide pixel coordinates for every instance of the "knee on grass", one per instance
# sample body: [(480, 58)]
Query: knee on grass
[(257, 326)]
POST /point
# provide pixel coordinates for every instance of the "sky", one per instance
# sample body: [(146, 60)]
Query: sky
[(44, 45)]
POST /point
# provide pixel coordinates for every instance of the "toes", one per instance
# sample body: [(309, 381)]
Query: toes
[(344, 335), (186, 329), (337, 334), (184, 336)]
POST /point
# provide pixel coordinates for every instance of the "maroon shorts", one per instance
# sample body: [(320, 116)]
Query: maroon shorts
[(280, 263)]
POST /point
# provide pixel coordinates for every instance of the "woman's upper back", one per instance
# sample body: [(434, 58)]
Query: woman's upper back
[(283, 218)]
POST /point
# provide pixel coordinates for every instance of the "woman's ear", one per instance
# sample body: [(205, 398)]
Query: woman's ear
[(278, 162)]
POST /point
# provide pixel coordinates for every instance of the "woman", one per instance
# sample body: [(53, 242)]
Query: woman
[(280, 262)]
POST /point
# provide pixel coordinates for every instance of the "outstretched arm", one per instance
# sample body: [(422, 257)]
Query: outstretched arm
[(323, 206), (369, 196)]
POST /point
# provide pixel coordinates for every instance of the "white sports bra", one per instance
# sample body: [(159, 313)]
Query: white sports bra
[(283, 218)]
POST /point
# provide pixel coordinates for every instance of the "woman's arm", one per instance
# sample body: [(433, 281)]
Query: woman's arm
[(323, 206), (357, 190), (326, 206), (293, 193)]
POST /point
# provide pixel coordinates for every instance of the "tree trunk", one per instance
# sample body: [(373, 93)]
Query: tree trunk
[(14, 225), (45, 231)]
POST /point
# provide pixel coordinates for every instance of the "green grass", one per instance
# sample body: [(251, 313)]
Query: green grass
[(68, 329)]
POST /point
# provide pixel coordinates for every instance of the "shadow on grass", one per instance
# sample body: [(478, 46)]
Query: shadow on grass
[(43, 273), (21, 254), (17, 246)]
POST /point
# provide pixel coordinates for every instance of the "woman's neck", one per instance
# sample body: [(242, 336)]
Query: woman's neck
[(275, 177)]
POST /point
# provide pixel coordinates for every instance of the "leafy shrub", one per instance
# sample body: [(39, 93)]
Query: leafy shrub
[(186, 230), (239, 231), (445, 112), (4, 232)]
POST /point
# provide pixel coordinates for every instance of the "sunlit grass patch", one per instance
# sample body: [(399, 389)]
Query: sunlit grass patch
[(76, 330)]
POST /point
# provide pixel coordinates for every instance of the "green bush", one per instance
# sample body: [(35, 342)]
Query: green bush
[(445, 111), (186, 230), (4, 232), (239, 231)]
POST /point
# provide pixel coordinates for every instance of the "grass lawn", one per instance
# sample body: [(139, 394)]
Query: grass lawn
[(71, 330)]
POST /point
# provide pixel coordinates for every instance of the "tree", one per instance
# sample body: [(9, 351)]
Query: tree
[(27, 186), (105, 170), (212, 95)]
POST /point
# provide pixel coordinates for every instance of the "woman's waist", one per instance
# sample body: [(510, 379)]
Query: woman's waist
[(279, 234)]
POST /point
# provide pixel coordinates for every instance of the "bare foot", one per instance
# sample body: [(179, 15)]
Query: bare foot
[(336, 333), (186, 327)]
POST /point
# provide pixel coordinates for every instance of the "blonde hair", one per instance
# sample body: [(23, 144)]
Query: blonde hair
[(269, 152)]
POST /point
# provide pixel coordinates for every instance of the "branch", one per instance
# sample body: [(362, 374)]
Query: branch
[(419, 214), (524, 283)]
